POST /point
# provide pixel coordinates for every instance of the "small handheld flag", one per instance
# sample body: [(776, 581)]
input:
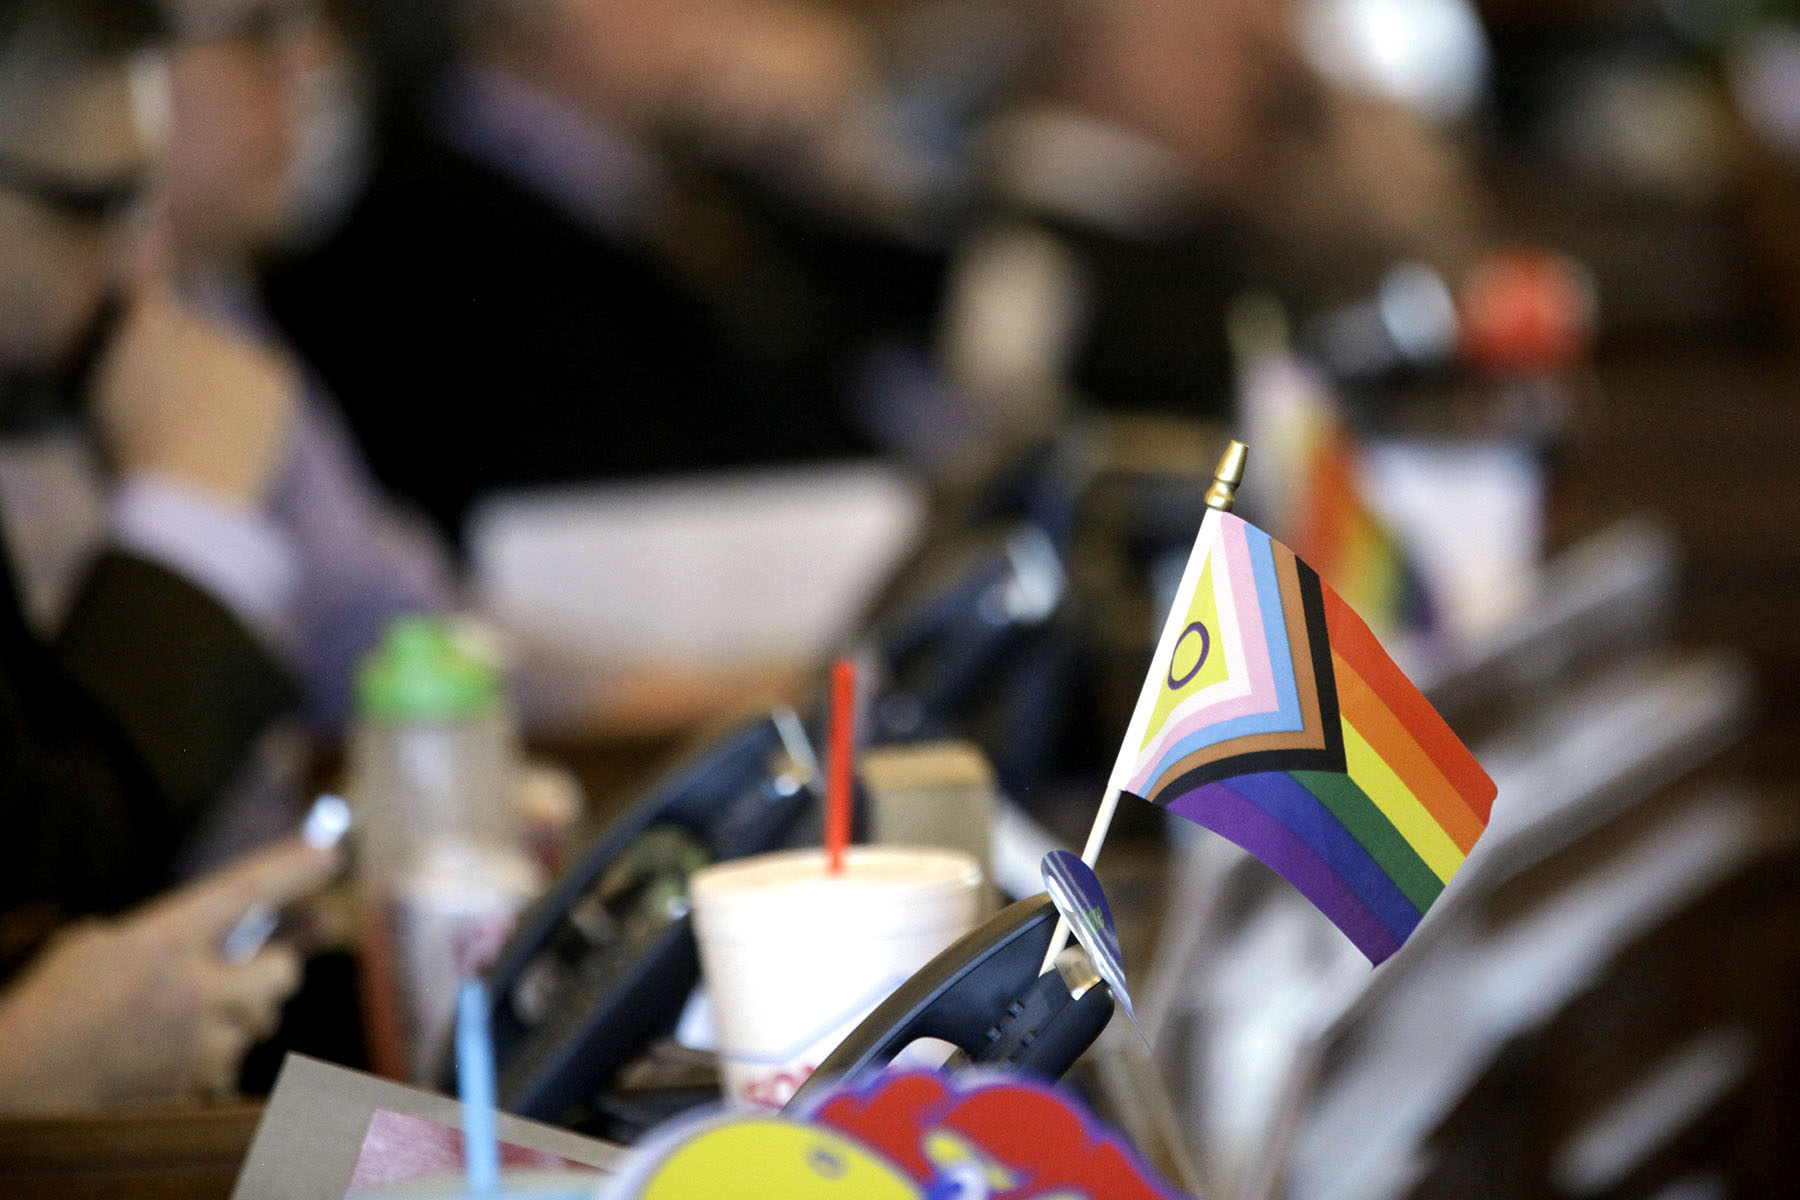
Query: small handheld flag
[(1348, 544), (1272, 716), (1313, 493)]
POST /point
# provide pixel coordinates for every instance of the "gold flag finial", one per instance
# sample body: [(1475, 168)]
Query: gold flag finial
[(1226, 477)]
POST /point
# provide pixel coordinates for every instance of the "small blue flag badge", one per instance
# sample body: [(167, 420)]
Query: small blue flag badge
[(1076, 892)]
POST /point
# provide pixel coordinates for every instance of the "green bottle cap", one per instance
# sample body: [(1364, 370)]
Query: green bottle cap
[(420, 673)]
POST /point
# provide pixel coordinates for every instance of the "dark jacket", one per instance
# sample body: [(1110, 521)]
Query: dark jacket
[(115, 740), (479, 336)]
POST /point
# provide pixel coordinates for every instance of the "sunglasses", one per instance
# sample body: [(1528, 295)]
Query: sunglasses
[(100, 201)]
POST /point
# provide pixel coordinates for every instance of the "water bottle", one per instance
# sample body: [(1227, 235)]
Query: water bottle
[(443, 871)]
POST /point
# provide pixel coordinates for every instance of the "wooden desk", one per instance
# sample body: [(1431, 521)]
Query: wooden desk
[(186, 1153)]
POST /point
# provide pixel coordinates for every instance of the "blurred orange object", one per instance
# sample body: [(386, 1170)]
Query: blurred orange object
[(1527, 311)]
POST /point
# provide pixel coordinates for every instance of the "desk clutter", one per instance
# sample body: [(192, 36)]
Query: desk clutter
[(956, 599), (728, 943), (820, 940)]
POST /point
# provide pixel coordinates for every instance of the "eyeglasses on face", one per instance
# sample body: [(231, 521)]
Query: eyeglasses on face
[(90, 201)]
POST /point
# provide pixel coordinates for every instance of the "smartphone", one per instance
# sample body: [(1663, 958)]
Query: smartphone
[(326, 823)]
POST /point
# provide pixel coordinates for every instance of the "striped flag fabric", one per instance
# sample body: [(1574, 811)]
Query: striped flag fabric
[(1352, 548), (1313, 494), (1272, 716)]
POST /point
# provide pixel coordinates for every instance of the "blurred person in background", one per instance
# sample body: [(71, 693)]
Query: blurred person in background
[(1175, 154), (556, 280), (144, 1007), (332, 562), (119, 732), (240, 76), (245, 78)]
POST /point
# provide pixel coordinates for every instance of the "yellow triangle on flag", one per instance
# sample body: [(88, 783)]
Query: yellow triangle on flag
[(1199, 658)]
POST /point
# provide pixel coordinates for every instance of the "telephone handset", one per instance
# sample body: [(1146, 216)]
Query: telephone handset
[(985, 996), (602, 965)]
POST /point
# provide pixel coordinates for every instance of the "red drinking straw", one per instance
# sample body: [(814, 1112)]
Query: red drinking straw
[(843, 738)]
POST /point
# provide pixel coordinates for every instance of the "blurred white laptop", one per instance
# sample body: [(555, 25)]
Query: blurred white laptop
[(722, 571)]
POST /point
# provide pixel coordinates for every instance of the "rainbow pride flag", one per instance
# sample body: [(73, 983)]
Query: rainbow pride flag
[(1273, 717), (1349, 545), (1314, 496)]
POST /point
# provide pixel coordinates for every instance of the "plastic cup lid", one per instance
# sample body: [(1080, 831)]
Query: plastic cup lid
[(901, 887)]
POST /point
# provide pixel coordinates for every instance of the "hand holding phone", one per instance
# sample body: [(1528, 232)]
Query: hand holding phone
[(326, 823)]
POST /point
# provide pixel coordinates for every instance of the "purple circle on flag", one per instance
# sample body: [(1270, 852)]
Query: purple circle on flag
[(1175, 684)]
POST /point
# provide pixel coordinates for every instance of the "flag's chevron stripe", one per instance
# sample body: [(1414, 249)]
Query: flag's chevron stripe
[(1202, 720), (1272, 704), (1205, 569), (1319, 748)]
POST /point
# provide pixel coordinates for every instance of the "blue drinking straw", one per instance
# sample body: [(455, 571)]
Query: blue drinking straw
[(475, 1080)]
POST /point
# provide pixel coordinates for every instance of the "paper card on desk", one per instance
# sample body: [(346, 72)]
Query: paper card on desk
[(404, 1148), (726, 569), (327, 1127)]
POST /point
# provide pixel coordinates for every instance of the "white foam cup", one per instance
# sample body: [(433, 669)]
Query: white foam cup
[(795, 957)]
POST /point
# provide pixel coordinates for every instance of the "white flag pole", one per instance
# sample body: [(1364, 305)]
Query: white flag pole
[(1219, 497)]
